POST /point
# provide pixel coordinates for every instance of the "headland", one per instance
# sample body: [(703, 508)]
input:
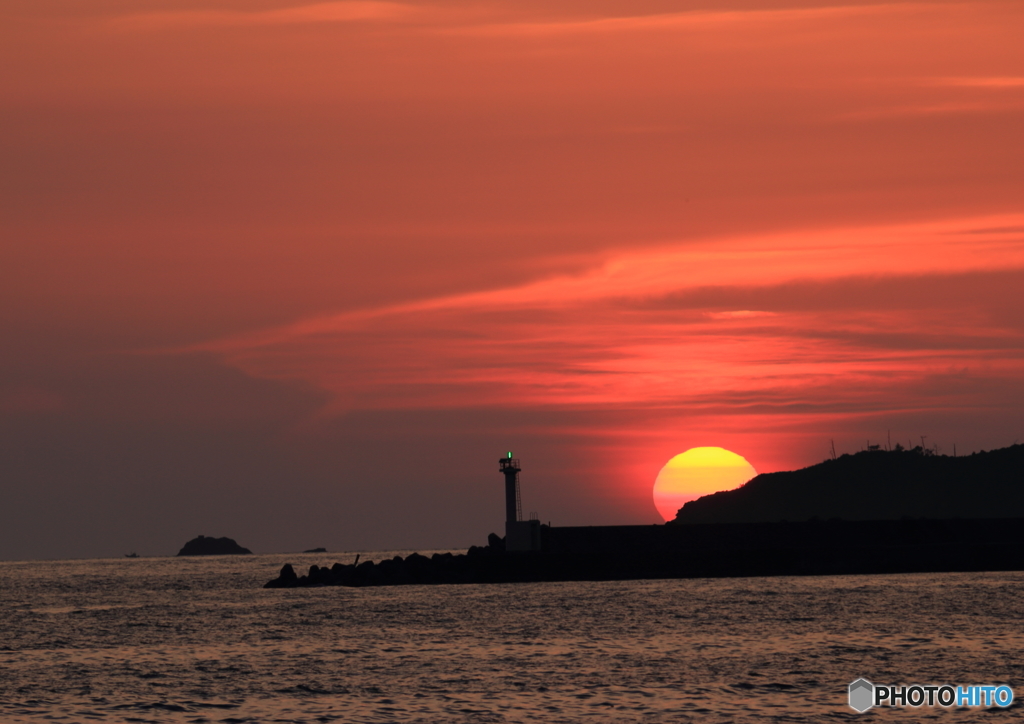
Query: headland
[(876, 484)]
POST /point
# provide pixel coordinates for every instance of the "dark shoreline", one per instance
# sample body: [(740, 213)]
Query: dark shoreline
[(702, 551)]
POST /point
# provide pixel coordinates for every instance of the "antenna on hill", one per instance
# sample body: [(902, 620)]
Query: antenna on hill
[(888, 437), (833, 449)]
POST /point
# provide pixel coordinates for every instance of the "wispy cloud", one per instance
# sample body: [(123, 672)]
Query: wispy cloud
[(602, 338), (949, 96), (483, 21), (676, 21), (942, 108), (326, 12), (992, 82)]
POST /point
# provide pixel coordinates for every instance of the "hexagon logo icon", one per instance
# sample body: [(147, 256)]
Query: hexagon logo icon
[(862, 695)]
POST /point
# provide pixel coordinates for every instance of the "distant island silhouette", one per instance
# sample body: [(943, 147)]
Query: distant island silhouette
[(899, 511), (875, 485), (203, 546)]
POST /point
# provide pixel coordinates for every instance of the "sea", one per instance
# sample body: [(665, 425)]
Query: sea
[(200, 640)]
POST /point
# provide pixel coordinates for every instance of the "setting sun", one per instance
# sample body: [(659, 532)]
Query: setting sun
[(698, 471)]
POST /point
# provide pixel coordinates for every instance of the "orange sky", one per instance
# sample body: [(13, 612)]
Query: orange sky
[(265, 253)]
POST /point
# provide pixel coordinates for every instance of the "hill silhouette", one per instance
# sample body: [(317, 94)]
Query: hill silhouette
[(875, 485)]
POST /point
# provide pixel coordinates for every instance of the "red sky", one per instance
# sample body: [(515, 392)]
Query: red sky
[(300, 273)]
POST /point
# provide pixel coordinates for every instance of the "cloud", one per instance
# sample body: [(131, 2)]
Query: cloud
[(960, 102), (990, 82), (833, 319), (740, 314), (327, 12), (520, 23), (932, 109), (700, 20)]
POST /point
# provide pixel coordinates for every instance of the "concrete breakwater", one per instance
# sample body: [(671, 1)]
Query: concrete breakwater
[(697, 551)]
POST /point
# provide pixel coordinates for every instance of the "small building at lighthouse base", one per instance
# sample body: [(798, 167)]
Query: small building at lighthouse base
[(522, 535)]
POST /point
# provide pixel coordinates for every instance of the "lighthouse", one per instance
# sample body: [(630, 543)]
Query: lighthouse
[(520, 535), (509, 467)]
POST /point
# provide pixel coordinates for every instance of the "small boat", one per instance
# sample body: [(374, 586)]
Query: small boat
[(133, 554)]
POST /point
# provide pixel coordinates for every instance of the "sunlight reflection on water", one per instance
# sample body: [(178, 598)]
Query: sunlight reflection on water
[(199, 640)]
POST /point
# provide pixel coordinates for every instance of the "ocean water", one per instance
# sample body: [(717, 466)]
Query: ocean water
[(199, 640)]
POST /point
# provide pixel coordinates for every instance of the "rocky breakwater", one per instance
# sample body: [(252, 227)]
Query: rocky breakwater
[(480, 564), (603, 553)]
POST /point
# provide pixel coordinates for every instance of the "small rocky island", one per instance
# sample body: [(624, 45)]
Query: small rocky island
[(203, 546)]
